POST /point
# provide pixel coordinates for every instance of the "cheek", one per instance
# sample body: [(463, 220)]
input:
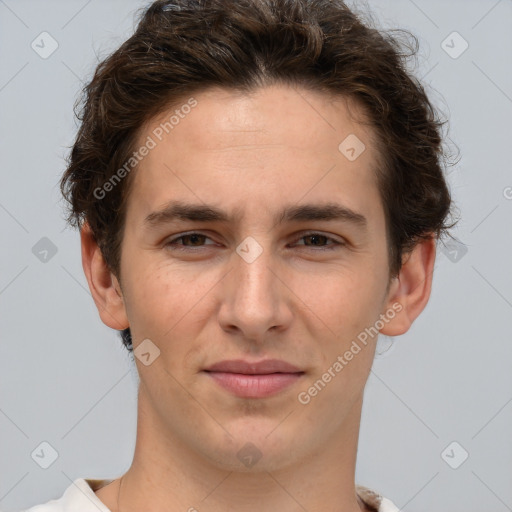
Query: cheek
[(348, 310), (350, 307), (163, 298), (344, 300), (146, 293), (149, 296)]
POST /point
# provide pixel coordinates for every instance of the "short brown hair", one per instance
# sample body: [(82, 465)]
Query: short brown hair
[(184, 46)]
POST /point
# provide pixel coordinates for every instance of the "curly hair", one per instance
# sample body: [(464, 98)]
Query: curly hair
[(184, 46)]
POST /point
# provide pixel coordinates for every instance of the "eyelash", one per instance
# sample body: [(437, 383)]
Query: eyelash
[(174, 246)]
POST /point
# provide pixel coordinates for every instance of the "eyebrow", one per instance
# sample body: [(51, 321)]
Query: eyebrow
[(178, 210)]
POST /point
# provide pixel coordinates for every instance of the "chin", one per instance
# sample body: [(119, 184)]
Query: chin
[(256, 447)]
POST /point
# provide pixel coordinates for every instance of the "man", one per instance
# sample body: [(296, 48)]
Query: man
[(259, 193)]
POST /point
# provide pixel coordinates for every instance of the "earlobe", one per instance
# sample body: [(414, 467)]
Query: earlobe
[(104, 286), (410, 291)]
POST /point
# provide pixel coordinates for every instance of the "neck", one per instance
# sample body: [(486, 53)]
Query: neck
[(167, 474)]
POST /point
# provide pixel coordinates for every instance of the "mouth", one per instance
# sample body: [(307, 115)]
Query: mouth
[(254, 380)]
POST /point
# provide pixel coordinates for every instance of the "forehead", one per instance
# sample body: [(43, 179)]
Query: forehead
[(278, 142), (273, 114)]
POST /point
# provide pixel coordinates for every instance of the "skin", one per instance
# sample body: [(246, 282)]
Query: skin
[(256, 153)]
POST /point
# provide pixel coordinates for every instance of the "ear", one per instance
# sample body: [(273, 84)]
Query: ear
[(410, 290), (105, 289)]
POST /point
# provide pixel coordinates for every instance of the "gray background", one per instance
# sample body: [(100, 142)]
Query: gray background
[(65, 378)]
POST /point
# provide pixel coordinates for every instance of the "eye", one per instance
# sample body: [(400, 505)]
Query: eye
[(318, 238), (195, 238), (318, 241)]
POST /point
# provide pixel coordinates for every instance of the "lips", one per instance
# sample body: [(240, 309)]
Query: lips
[(254, 380), (257, 368)]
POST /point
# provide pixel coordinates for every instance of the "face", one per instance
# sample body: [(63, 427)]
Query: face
[(258, 275)]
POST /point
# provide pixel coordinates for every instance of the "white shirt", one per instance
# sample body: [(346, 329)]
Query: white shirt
[(80, 497)]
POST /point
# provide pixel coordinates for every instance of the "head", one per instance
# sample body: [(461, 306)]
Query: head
[(275, 120)]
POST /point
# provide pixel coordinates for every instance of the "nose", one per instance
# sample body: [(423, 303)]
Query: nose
[(256, 299)]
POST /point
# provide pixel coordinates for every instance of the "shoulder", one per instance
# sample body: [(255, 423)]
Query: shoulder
[(374, 501), (79, 497)]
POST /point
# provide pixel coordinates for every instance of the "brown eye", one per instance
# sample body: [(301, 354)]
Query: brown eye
[(188, 240), (320, 241)]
